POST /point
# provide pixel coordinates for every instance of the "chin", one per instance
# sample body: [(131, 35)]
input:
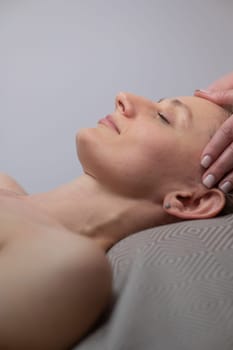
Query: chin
[(87, 148), (83, 139)]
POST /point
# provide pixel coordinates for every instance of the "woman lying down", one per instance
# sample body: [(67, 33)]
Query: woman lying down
[(140, 169)]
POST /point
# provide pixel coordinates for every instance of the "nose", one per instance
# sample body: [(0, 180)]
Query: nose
[(124, 104)]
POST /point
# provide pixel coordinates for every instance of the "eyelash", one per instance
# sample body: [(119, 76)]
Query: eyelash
[(163, 118)]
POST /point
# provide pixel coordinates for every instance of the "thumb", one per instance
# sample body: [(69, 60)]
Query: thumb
[(220, 97)]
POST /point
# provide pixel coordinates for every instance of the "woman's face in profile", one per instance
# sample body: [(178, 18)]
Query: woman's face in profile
[(145, 146)]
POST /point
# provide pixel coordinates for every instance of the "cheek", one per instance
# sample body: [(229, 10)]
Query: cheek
[(133, 163), (154, 148)]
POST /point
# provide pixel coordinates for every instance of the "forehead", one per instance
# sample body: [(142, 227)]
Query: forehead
[(204, 110)]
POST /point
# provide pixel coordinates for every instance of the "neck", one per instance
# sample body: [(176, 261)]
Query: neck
[(86, 207)]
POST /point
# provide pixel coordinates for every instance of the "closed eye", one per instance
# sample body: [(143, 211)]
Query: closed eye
[(164, 119)]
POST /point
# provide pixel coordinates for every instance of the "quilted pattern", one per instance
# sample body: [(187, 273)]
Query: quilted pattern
[(173, 290)]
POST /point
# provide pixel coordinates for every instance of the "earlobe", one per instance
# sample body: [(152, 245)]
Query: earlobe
[(197, 204)]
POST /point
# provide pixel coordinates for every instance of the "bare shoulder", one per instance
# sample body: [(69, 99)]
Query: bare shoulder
[(7, 183)]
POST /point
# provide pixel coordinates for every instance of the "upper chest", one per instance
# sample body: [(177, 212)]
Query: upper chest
[(18, 213)]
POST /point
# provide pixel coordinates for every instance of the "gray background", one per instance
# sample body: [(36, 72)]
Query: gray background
[(63, 62)]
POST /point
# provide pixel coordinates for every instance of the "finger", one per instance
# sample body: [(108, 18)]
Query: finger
[(227, 184), (224, 83), (220, 97), (221, 139), (222, 166)]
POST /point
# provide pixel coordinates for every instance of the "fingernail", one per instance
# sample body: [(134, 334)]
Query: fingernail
[(209, 180), (226, 187), (202, 90), (206, 161)]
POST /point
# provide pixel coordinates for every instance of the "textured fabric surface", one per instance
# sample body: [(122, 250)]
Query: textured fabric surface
[(173, 290)]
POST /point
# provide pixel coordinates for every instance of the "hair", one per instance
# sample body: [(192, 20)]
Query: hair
[(228, 207)]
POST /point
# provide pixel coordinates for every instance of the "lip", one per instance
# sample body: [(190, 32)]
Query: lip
[(108, 121)]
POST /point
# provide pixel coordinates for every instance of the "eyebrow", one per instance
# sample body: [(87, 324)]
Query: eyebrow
[(177, 103)]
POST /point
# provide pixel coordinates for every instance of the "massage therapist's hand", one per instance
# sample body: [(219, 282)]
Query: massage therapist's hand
[(217, 157)]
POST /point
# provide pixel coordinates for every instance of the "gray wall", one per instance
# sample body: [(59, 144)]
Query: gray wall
[(62, 63)]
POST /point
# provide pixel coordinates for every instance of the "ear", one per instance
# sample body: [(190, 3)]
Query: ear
[(196, 204)]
